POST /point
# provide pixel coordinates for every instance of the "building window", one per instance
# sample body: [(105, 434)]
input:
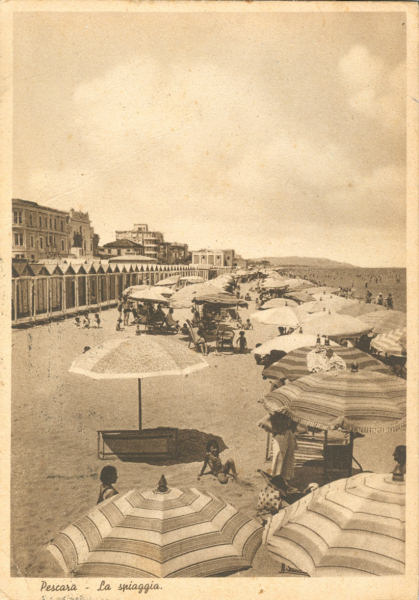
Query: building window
[(30, 219), (50, 240), (31, 241), (18, 239), (55, 223), (17, 217), (62, 245), (46, 222), (62, 226), (40, 221), (41, 242), (50, 222)]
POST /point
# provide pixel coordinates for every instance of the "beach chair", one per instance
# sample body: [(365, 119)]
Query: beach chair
[(193, 338), (225, 338)]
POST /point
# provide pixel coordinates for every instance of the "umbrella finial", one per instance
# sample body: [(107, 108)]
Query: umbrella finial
[(162, 486)]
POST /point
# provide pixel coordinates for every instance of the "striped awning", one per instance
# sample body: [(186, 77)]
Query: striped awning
[(364, 401), (294, 364), (392, 343), (384, 321), (349, 527), (181, 533)]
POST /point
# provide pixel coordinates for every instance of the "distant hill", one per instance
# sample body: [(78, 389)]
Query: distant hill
[(305, 261)]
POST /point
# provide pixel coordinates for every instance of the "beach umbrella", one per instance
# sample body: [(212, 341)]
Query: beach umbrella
[(385, 321), (285, 316), (184, 298), (173, 280), (152, 294), (297, 283), (329, 303), (363, 401), (158, 533), (358, 309), (137, 357), (192, 279), (135, 288), (392, 343), (299, 296), (296, 364), (353, 526), (272, 284), (219, 298), (333, 324), (321, 290), (277, 302), (287, 343)]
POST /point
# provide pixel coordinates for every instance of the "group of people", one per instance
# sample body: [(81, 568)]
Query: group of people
[(84, 321), (143, 313), (380, 300)]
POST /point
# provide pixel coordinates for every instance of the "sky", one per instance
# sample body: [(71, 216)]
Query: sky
[(276, 134)]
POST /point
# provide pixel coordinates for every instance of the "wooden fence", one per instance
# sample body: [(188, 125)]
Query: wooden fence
[(42, 293)]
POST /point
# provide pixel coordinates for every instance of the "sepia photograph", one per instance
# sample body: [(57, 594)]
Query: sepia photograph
[(208, 299)]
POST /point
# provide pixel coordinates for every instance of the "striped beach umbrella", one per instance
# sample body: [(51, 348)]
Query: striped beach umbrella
[(363, 401), (294, 364), (153, 533), (392, 343), (349, 527), (385, 321)]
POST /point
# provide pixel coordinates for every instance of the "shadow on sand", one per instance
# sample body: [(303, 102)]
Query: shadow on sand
[(190, 447)]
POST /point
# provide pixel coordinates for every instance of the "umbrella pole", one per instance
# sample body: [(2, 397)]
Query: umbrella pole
[(140, 423)]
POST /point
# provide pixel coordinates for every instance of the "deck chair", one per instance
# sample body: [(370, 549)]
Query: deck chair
[(193, 338), (225, 339)]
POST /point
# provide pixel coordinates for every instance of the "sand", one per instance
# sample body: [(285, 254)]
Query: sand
[(56, 415)]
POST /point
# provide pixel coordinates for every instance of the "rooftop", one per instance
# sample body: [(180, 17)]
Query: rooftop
[(122, 244)]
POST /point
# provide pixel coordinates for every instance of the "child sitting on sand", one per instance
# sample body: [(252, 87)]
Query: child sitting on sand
[(108, 477), (248, 324), (86, 321), (77, 322), (213, 461)]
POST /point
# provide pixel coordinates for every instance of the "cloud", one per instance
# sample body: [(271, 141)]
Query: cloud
[(374, 91)]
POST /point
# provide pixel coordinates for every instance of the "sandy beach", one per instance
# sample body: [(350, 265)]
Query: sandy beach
[(56, 415)]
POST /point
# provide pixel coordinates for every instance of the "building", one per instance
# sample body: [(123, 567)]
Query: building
[(240, 262), (173, 253), (151, 240), (39, 231), (122, 248), (81, 234), (213, 258)]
